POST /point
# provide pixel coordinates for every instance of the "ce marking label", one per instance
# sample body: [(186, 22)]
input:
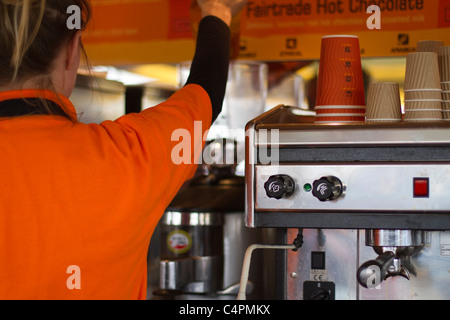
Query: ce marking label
[(318, 275)]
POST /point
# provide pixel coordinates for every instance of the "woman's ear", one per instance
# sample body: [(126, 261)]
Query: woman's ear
[(73, 53), (72, 62)]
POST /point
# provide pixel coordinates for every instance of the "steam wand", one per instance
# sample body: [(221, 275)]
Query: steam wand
[(298, 242)]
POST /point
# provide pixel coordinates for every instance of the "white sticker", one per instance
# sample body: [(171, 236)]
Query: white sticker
[(445, 244), (179, 241), (318, 275)]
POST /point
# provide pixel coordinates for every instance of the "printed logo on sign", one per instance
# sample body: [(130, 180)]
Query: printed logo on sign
[(179, 241), (403, 39)]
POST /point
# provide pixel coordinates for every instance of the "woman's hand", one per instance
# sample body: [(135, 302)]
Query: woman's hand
[(223, 9)]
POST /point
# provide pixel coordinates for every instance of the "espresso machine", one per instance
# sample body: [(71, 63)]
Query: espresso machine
[(369, 199)]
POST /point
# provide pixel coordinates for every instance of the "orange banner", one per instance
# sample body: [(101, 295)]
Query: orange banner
[(292, 30), (125, 32), (149, 31)]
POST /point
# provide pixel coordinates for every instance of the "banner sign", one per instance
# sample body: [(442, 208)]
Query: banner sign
[(159, 31), (124, 32)]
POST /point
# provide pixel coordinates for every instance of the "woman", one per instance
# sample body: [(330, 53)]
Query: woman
[(78, 202)]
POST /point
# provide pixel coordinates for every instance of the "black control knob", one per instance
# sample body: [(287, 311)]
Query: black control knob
[(327, 188), (279, 186), (320, 294)]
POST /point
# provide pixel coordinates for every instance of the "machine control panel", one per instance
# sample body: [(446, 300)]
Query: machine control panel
[(352, 187), (355, 176)]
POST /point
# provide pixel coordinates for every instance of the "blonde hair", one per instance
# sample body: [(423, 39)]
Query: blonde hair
[(17, 26), (31, 34)]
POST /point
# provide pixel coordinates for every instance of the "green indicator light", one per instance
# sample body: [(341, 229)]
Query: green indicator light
[(307, 187)]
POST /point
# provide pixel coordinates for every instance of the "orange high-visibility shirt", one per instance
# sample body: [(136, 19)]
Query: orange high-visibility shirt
[(79, 202)]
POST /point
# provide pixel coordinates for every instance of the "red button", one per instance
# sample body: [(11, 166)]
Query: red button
[(421, 187)]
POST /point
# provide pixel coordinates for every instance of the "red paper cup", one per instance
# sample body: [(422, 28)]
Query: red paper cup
[(340, 80)]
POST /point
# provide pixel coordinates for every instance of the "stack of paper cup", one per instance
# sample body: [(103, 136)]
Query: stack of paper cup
[(340, 86), (423, 92), (429, 46), (444, 59), (383, 102)]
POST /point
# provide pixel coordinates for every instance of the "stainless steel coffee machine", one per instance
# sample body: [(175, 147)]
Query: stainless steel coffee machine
[(371, 201)]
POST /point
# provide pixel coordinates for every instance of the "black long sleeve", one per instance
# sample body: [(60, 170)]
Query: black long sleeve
[(210, 65)]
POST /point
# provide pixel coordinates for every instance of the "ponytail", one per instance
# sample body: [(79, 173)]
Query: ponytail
[(23, 34)]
